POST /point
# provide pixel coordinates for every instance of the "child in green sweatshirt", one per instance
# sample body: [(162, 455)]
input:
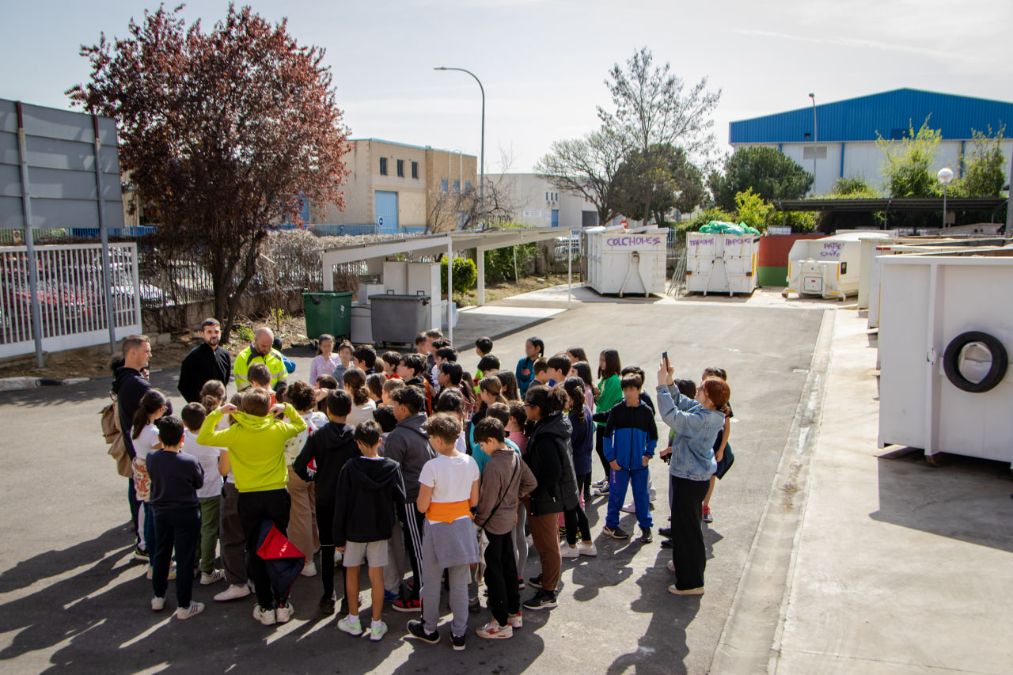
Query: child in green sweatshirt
[(256, 452)]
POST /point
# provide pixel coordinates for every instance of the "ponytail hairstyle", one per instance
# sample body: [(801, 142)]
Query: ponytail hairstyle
[(494, 387), (548, 401), (355, 381), (613, 366), (582, 369), (152, 401), (511, 392), (538, 344), (212, 395), (574, 388), (374, 385), (577, 353)]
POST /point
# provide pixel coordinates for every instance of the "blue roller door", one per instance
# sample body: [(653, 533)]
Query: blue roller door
[(385, 207)]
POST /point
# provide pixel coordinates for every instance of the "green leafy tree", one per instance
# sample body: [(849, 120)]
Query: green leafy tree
[(661, 178), (753, 209), (907, 165), (766, 171), (853, 187), (984, 173), (465, 275)]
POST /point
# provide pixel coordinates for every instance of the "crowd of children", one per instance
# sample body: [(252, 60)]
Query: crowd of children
[(432, 477)]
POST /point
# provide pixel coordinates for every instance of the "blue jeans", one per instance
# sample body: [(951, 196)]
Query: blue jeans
[(149, 528), (620, 480)]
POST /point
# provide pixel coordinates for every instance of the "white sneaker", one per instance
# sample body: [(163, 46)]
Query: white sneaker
[(516, 620), (157, 604), (567, 551), (309, 569), (195, 608), (494, 631), (214, 577), (284, 614), (233, 592), (587, 548), (264, 616), (351, 625), (377, 630), (671, 566), (629, 508)]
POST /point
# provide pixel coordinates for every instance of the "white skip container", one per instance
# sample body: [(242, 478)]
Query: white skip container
[(721, 263), (946, 332), (829, 267), (626, 262)]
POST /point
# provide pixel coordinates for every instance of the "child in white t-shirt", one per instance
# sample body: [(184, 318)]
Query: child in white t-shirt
[(448, 490), (209, 496)]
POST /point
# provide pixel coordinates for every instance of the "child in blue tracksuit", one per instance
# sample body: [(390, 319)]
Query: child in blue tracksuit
[(630, 439)]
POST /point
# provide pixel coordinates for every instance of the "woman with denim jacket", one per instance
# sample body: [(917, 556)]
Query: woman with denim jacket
[(696, 422)]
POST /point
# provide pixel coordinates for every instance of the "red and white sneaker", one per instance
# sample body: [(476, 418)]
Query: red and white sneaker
[(706, 516), (494, 631), (515, 620)]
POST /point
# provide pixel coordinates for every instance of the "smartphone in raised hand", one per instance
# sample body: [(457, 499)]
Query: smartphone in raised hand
[(664, 357)]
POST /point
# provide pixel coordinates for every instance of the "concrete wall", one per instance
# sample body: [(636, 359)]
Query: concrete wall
[(865, 160), (445, 165), (534, 197)]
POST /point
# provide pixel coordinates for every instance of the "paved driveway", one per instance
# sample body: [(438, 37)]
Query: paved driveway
[(71, 598)]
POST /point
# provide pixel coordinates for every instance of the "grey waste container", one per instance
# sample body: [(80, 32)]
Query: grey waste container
[(397, 319)]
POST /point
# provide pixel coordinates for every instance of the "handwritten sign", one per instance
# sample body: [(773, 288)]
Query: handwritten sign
[(634, 240), (709, 241), (831, 250)]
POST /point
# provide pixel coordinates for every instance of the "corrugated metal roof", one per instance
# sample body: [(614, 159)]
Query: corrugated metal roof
[(889, 113)]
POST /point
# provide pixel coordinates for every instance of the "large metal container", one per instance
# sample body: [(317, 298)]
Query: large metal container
[(397, 319)]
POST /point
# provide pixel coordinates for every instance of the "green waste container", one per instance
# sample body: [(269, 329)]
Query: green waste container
[(328, 312)]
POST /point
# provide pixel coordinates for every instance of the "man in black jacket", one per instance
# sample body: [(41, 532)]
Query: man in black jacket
[(128, 387), (207, 361)]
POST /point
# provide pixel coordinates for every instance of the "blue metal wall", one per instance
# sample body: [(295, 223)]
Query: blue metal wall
[(886, 113)]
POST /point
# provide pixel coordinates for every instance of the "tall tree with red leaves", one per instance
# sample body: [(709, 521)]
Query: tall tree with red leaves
[(223, 132)]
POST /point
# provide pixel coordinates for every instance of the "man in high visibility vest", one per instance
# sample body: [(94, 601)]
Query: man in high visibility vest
[(261, 351)]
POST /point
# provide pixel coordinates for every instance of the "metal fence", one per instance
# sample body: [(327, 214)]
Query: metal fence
[(71, 296)]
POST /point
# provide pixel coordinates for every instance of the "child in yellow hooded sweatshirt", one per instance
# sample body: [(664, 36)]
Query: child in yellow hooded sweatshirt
[(256, 452)]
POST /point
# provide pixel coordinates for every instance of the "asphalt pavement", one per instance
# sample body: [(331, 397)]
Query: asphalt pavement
[(70, 598)]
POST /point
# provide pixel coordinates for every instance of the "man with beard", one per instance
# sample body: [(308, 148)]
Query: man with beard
[(207, 361)]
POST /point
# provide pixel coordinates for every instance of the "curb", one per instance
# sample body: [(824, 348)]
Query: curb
[(750, 639), (22, 383)]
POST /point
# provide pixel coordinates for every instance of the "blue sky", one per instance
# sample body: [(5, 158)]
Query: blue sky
[(543, 62)]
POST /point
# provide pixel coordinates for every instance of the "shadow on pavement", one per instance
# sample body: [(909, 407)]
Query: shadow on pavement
[(662, 648), (963, 498)]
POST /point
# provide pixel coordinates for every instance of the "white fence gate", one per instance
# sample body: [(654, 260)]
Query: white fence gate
[(71, 297)]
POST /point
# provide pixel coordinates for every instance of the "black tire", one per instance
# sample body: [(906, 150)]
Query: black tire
[(1000, 362)]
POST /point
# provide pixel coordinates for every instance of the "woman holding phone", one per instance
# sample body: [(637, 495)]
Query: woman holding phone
[(696, 422)]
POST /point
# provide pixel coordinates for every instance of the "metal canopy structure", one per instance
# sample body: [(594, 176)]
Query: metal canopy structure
[(434, 244), (889, 204)]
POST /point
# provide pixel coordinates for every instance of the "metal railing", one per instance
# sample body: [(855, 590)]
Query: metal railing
[(71, 296)]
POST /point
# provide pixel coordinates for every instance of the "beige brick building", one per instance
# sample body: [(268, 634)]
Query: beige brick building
[(397, 186)]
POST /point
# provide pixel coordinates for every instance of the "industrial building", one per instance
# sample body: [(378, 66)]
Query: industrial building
[(398, 187), (536, 202), (838, 139)]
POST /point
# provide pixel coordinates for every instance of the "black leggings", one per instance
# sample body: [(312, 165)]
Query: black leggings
[(576, 519), (584, 486), (599, 446)]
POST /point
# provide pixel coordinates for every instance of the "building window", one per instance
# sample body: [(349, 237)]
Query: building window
[(443, 185), (415, 170), (383, 166), (457, 185), (400, 168), (811, 152)]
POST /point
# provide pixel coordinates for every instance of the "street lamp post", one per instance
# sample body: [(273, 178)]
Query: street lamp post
[(812, 96), (481, 177), (945, 176)]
